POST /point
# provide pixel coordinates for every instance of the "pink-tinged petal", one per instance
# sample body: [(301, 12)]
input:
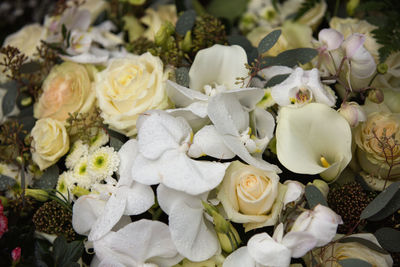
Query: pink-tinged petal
[(353, 43), (331, 38)]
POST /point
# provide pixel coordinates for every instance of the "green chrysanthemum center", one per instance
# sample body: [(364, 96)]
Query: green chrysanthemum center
[(99, 161)]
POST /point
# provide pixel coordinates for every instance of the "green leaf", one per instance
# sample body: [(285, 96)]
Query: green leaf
[(389, 209), (182, 76), (9, 99), (365, 242), (49, 178), (64, 31), (185, 22), (354, 263), (30, 67), (115, 143), (268, 41), (117, 135), (276, 80), (230, 10), (389, 239), (314, 196), (6, 182), (380, 201), (67, 254), (291, 58), (305, 7)]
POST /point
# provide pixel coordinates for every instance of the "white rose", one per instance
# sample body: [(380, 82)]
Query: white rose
[(27, 39), (251, 196), (49, 142), (128, 87)]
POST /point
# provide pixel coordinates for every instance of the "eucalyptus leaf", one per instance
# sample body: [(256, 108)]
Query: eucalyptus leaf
[(9, 99), (354, 263), (268, 41), (30, 67), (49, 178), (185, 22), (389, 209), (67, 254), (380, 201), (230, 10), (365, 242), (290, 58), (6, 182), (182, 76), (276, 80), (115, 143), (389, 239), (240, 40), (314, 196)]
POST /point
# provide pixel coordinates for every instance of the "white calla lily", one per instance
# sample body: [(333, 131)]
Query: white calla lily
[(313, 139), (192, 234), (302, 87), (163, 145), (263, 250), (141, 243)]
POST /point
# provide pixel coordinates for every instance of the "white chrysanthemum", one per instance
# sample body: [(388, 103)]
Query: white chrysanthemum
[(66, 183), (82, 176), (78, 150), (99, 140), (103, 162)]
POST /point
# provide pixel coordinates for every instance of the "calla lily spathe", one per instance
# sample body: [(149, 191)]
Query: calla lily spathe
[(313, 139)]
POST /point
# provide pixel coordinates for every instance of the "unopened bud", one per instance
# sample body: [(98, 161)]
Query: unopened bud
[(187, 42), (376, 96), (353, 113), (382, 68), (351, 6), (229, 241), (26, 101), (38, 194), (163, 34), (16, 255)]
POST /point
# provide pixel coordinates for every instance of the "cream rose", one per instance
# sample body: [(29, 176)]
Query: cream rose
[(27, 39), (67, 89), (49, 142), (251, 196), (128, 87), (380, 128), (351, 250)]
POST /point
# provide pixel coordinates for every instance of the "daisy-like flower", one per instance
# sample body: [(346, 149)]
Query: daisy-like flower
[(78, 150), (81, 174), (103, 162), (66, 183), (99, 140)]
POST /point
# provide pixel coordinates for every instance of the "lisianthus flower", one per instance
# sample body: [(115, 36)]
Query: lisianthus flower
[(263, 250), (141, 243), (162, 156), (232, 127), (191, 232), (214, 70), (313, 139), (302, 87)]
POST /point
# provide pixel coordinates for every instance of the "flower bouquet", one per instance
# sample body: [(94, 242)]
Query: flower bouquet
[(201, 133)]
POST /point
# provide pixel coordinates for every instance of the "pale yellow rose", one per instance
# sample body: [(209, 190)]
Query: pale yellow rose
[(351, 250), (67, 89), (49, 142), (294, 35), (349, 26), (128, 87), (380, 128), (153, 19), (27, 39), (251, 196)]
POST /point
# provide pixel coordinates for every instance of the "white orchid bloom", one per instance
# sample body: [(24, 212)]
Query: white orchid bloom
[(191, 232), (302, 87), (263, 250), (321, 222), (142, 243), (162, 156), (313, 139), (231, 133), (214, 70), (362, 63)]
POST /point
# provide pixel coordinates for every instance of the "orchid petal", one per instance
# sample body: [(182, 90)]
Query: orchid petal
[(139, 198), (320, 94), (281, 92), (176, 170), (86, 210), (158, 132), (273, 71), (299, 243), (209, 142), (224, 64), (239, 258), (265, 250), (227, 114), (196, 122), (127, 155), (331, 38), (182, 96), (248, 97), (264, 123)]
